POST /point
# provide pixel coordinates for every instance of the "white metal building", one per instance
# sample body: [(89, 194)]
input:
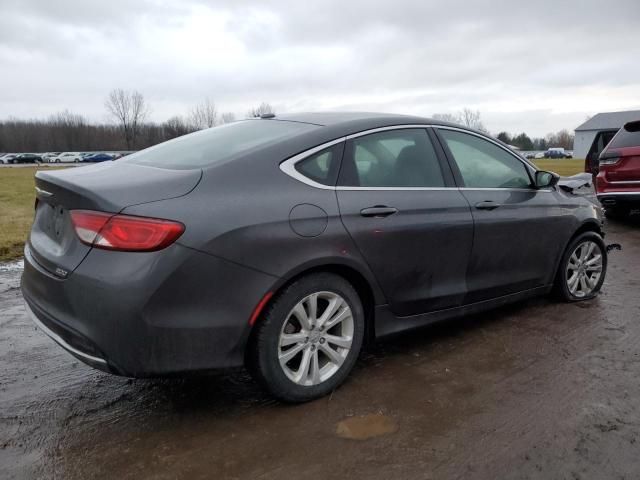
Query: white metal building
[(602, 122)]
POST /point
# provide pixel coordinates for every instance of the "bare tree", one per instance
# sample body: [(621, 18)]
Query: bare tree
[(176, 126), (67, 129), (263, 109), (471, 118), (204, 115), (447, 117), (130, 109), (227, 117)]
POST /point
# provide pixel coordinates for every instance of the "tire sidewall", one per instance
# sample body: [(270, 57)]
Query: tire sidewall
[(270, 373), (563, 288)]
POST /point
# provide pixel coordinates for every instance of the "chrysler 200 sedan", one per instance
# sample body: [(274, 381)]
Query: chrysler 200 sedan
[(285, 243)]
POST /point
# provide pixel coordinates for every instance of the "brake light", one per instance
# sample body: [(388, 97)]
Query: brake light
[(124, 232), (609, 160)]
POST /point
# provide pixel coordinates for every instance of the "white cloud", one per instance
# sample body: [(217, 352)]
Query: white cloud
[(527, 67)]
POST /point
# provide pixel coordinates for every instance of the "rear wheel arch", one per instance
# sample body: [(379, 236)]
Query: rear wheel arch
[(356, 278)]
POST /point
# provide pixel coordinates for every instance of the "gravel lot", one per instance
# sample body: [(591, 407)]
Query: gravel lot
[(535, 390)]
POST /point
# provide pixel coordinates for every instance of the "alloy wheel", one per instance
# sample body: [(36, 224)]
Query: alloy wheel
[(316, 338), (584, 269)]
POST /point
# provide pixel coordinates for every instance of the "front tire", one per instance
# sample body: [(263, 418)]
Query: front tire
[(582, 269), (308, 339)]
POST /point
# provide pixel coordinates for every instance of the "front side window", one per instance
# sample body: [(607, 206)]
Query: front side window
[(483, 164), (394, 158)]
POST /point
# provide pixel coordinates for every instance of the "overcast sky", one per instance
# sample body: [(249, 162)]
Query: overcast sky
[(527, 66)]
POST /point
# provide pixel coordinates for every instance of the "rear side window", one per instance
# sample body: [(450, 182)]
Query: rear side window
[(627, 136), (322, 167), (394, 158), (216, 145), (483, 164)]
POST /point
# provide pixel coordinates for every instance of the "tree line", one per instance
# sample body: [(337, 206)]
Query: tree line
[(472, 119), (131, 129)]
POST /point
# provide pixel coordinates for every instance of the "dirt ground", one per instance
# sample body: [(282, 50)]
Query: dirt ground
[(536, 390)]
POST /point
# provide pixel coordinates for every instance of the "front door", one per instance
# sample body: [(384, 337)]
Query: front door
[(519, 230), (412, 226)]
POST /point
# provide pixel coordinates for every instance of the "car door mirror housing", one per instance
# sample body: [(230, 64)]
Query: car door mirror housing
[(546, 179)]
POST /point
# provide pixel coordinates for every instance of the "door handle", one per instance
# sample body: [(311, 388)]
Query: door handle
[(487, 205), (379, 211)]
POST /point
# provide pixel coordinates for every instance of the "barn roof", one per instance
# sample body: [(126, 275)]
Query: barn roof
[(609, 120)]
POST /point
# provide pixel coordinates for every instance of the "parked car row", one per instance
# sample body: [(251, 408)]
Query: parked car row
[(60, 157), (555, 152)]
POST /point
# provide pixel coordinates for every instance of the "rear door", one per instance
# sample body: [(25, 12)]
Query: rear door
[(519, 230), (399, 203)]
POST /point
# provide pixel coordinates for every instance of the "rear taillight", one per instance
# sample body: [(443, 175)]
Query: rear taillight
[(609, 161), (609, 157), (124, 232)]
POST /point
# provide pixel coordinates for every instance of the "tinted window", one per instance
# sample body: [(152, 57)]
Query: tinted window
[(395, 158), (323, 166), (627, 136), (483, 164), (215, 145)]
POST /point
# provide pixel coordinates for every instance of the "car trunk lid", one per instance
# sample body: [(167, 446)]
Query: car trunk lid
[(108, 187)]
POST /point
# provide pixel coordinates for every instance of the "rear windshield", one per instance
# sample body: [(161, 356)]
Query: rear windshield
[(215, 145), (627, 136)]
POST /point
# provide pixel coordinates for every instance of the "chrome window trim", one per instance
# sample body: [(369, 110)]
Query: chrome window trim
[(288, 166)]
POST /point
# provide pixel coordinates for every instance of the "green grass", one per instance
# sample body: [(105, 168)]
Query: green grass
[(17, 197), (564, 167)]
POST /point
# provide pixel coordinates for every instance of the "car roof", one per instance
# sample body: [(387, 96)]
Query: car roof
[(353, 119)]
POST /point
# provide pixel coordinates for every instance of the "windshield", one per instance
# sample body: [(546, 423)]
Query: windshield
[(215, 145)]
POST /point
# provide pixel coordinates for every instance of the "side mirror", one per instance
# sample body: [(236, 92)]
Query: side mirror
[(546, 179)]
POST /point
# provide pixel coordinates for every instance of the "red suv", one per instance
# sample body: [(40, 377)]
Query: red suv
[(618, 180)]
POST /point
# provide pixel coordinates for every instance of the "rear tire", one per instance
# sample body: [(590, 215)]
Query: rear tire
[(582, 269), (300, 352)]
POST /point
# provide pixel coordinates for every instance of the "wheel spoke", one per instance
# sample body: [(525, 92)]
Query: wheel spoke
[(344, 342), (343, 315), (573, 261), (286, 356), (312, 303), (334, 356), (303, 371), (287, 339), (300, 313), (314, 368), (591, 281), (596, 259), (583, 284), (334, 304), (573, 282), (583, 252)]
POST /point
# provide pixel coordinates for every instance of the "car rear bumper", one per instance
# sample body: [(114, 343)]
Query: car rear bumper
[(147, 314), (619, 199)]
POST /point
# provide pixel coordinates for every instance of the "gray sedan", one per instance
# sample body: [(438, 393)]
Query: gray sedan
[(285, 243)]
